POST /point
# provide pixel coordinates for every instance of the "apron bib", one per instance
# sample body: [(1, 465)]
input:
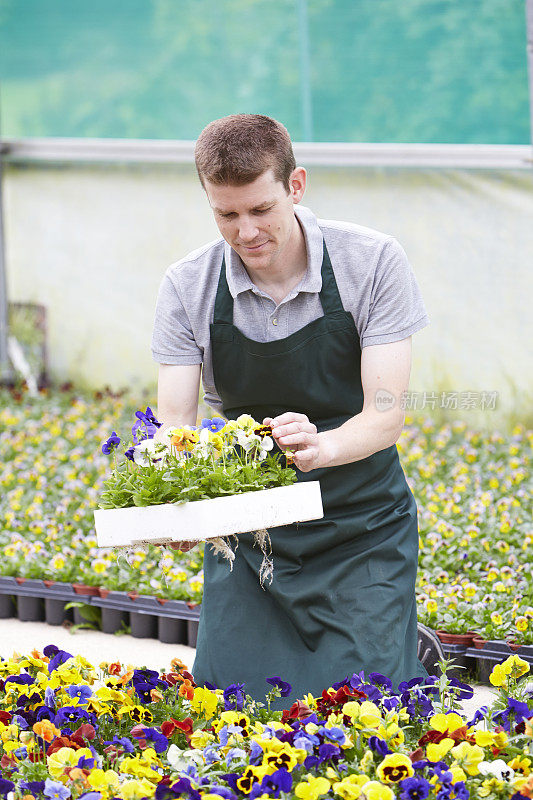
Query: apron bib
[(342, 598)]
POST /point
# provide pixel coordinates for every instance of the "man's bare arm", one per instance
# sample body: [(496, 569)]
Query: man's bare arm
[(385, 370), (177, 396)]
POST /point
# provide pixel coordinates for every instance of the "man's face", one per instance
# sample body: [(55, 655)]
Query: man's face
[(257, 219)]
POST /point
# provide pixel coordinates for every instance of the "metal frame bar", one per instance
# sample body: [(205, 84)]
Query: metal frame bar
[(163, 151)]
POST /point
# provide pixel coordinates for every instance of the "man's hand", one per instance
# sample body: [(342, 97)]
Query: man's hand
[(294, 431), (183, 546)]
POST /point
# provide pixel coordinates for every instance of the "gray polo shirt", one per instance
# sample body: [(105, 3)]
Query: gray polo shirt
[(376, 284)]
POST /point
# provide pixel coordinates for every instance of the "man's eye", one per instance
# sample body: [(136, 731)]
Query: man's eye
[(261, 210)]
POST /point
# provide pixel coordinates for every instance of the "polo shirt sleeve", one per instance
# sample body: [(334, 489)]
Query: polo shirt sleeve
[(396, 309), (173, 339)]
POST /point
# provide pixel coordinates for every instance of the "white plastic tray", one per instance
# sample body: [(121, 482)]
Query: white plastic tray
[(205, 519)]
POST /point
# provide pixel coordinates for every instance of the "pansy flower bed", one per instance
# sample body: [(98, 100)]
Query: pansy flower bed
[(473, 491), (69, 729)]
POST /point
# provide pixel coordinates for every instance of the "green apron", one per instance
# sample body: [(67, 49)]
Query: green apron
[(342, 598)]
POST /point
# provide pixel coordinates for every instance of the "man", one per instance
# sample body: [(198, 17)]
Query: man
[(306, 325)]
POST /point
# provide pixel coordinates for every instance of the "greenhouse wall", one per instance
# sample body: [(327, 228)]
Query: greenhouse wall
[(91, 243)]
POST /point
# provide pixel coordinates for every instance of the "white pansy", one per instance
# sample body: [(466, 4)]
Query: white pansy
[(181, 759), (498, 768), (251, 441), (148, 452)]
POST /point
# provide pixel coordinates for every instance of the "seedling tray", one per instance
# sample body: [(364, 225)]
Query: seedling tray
[(207, 519)]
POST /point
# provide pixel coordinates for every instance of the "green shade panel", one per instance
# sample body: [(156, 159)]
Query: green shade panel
[(332, 70)]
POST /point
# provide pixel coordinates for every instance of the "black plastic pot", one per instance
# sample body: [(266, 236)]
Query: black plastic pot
[(57, 595), (143, 626), (30, 593), (7, 606), (30, 609), (172, 630), (79, 618), (54, 611), (113, 619)]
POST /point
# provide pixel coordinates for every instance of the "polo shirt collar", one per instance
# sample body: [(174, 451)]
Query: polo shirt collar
[(239, 280)]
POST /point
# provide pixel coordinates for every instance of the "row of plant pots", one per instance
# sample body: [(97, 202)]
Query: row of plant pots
[(176, 622), (172, 621), (474, 639), (476, 655)]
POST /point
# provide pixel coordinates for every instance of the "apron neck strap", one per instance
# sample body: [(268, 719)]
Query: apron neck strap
[(223, 300), (329, 293)]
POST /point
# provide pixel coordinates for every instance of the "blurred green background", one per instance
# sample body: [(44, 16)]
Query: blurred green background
[(442, 71)]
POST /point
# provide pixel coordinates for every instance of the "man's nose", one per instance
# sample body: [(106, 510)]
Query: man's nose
[(248, 230)]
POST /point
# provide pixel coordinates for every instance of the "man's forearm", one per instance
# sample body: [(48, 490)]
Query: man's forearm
[(361, 436)]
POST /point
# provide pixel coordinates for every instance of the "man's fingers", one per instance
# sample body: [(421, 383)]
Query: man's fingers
[(289, 416), (184, 546), (303, 438)]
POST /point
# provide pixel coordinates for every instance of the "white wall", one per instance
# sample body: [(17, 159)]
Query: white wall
[(92, 243)]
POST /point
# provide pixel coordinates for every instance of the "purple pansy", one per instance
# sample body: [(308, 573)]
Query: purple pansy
[(110, 444), (146, 424), (284, 687), (234, 697), (55, 790), (415, 788), (216, 424), (515, 709)]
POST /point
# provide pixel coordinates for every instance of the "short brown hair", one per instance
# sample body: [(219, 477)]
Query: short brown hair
[(237, 149)]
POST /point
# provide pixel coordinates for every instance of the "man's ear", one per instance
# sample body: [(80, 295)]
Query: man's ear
[(297, 182)]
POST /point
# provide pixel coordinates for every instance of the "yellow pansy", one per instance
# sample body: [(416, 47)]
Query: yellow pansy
[(249, 777), (484, 738), (369, 715), (498, 676), (366, 761), (334, 720), (520, 764), (103, 781), (374, 790), (350, 787), (458, 774), (204, 702), (468, 756), (9, 747), (395, 767), (136, 790), (199, 739), (107, 694), (312, 788), (446, 722), (436, 752), (489, 786), (65, 757), (210, 796), (140, 766), (279, 755), (515, 666), (391, 732)]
